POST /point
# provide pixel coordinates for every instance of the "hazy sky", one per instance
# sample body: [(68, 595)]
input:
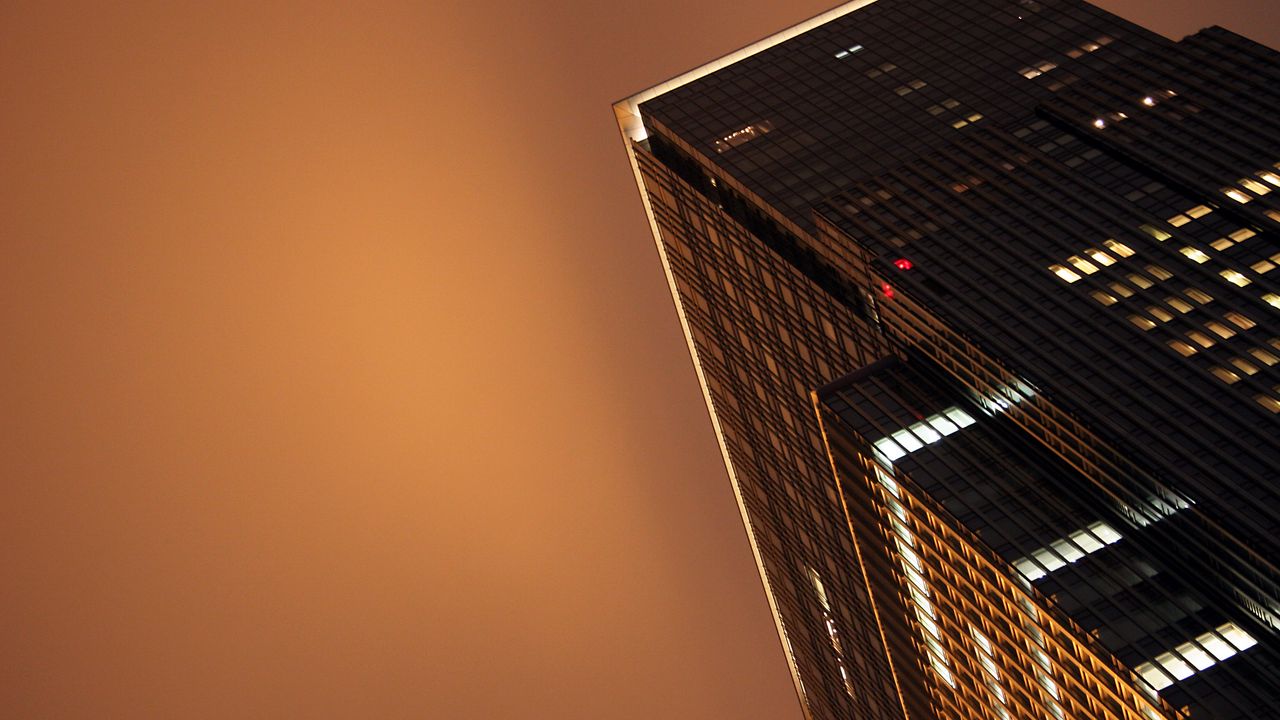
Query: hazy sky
[(339, 377)]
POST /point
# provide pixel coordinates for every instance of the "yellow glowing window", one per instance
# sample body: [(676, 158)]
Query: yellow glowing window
[(1254, 186), (1220, 330), (974, 117), (1270, 177), (1244, 366), (917, 84), (1158, 272), (1118, 248), (1201, 339), (1155, 232), (1272, 299), (1029, 73), (1235, 277), (1262, 266), (1221, 244), (1159, 313), (1100, 257), (1064, 272), (1178, 304), (959, 124), (1082, 265), (1141, 322), (887, 67), (1074, 53), (950, 103), (1178, 220), (1199, 296), (1239, 320), (1121, 289), (1273, 215), (1242, 234), (1225, 375), (902, 90), (1236, 195), (1264, 357), (1199, 211), (935, 110), (1268, 402), (1090, 47), (1194, 254), (1046, 66), (1183, 349), (1106, 299), (1140, 281)]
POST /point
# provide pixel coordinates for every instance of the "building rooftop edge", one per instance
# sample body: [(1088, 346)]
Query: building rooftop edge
[(627, 110)]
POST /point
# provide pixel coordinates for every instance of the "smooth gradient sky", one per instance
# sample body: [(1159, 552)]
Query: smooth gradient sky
[(339, 378)]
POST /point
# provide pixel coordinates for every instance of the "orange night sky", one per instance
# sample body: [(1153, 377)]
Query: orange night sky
[(339, 378)]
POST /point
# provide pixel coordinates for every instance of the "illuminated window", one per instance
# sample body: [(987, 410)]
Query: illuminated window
[(888, 67), (1100, 257), (1082, 265), (1046, 66), (1225, 375), (1199, 211), (1106, 299), (1236, 195), (974, 117), (1158, 272), (1200, 338), (742, 135), (1194, 254), (1240, 321), (1270, 177), (1262, 266), (1220, 330), (1178, 304), (1118, 248), (1061, 553), (1244, 366), (935, 110), (1264, 357), (959, 124), (1272, 299), (950, 103), (1121, 289), (1254, 186), (1159, 313), (1178, 220), (1191, 657), (846, 53), (926, 432), (1140, 281), (1029, 72), (1235, 277), (1221, 244), (1199, 296), (1242, 234), (1183, 349), (1090, 46), (1268, 402), (1064, 273), (1141, 322), (1155, 232)]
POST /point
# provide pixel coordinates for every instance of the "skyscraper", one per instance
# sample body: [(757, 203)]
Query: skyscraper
[(981, 299)]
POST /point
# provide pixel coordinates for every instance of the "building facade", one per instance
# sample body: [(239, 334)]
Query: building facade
[(981, 299)]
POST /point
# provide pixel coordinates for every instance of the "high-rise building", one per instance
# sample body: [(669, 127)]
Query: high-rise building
[(981, 297)]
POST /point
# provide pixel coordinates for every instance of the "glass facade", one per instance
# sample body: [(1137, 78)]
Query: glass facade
[(982, 300)]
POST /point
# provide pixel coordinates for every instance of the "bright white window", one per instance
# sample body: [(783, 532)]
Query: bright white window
[(1191, 657)]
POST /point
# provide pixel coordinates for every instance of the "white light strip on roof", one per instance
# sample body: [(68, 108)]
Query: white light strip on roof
[(926, 432), (627, 110), (1061, 553), (1202, 653)]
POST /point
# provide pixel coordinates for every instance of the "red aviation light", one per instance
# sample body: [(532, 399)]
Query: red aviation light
[(887, 289), (903, 264)]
